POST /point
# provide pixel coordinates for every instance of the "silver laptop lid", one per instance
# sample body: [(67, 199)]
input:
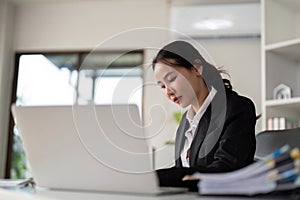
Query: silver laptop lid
[(101, 148)]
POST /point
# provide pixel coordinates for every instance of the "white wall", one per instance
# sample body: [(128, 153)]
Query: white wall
[(240, 57), (85, 24), (6, 66)]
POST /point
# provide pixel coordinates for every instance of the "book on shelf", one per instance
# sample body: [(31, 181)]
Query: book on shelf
[(278, 171), (281, 123)]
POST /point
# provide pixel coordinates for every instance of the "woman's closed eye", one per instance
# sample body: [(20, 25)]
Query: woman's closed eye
[(173, 78)]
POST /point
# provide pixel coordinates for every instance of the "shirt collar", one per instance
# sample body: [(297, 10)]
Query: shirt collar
[(193, 117)]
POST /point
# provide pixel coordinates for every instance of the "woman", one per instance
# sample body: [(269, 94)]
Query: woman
[(217, 133)]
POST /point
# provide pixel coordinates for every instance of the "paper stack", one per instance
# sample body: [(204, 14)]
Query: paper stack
[(275, 172)]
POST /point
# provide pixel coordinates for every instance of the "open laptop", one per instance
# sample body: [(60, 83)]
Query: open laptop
[(89, 148)]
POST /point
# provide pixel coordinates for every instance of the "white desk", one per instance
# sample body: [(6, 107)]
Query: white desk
[(63, 195)]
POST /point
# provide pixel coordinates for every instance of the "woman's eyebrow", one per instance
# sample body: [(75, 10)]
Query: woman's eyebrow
[(167, 74)]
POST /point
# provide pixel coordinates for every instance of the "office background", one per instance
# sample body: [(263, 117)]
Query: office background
[(50, 25)]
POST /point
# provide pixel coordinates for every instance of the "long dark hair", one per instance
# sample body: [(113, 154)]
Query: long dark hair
[(183, 54)]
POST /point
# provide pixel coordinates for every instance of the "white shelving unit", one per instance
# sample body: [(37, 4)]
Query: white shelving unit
[(280, 57)]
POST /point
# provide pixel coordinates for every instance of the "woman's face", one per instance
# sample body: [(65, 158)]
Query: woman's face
[(180, 85)]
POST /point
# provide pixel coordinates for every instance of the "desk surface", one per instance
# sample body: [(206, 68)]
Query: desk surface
[(63, 195)]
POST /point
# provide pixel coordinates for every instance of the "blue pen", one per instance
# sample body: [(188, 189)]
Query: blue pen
[(277, 153)]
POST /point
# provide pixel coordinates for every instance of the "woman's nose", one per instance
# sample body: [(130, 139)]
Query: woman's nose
[(168, 92)]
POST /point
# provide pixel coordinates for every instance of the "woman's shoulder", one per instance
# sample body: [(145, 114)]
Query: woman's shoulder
[(238, 101)]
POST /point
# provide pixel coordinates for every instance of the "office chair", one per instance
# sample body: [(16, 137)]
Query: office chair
[(268, 141)]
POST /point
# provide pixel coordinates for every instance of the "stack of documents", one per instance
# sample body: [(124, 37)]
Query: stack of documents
[(275, 172)]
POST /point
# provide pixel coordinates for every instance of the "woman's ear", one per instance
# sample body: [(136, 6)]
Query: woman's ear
[(198, 66)]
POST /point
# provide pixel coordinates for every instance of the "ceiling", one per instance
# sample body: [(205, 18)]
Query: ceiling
[(221, 20), (244, 14), (173, 2), (202, 2)]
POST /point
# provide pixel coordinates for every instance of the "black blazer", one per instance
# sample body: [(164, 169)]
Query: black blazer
[(234, 147)]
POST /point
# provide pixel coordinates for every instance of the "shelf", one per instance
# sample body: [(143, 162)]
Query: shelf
[(289, 48), (293, 103), (281, 57)]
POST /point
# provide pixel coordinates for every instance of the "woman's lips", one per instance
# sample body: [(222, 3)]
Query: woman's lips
[(176, 100)]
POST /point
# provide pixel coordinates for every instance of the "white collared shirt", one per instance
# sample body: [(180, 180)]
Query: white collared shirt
[(194, 119)]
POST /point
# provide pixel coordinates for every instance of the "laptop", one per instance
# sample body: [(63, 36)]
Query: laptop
[(88, 148)]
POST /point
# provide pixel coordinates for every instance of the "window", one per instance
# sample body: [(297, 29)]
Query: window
[(44, 81), (72, 78)]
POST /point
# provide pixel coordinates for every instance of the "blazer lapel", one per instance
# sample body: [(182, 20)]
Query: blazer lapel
[(180, 137), (199, 136)]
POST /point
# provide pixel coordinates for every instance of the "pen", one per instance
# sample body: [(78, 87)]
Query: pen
[(279, 158)]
